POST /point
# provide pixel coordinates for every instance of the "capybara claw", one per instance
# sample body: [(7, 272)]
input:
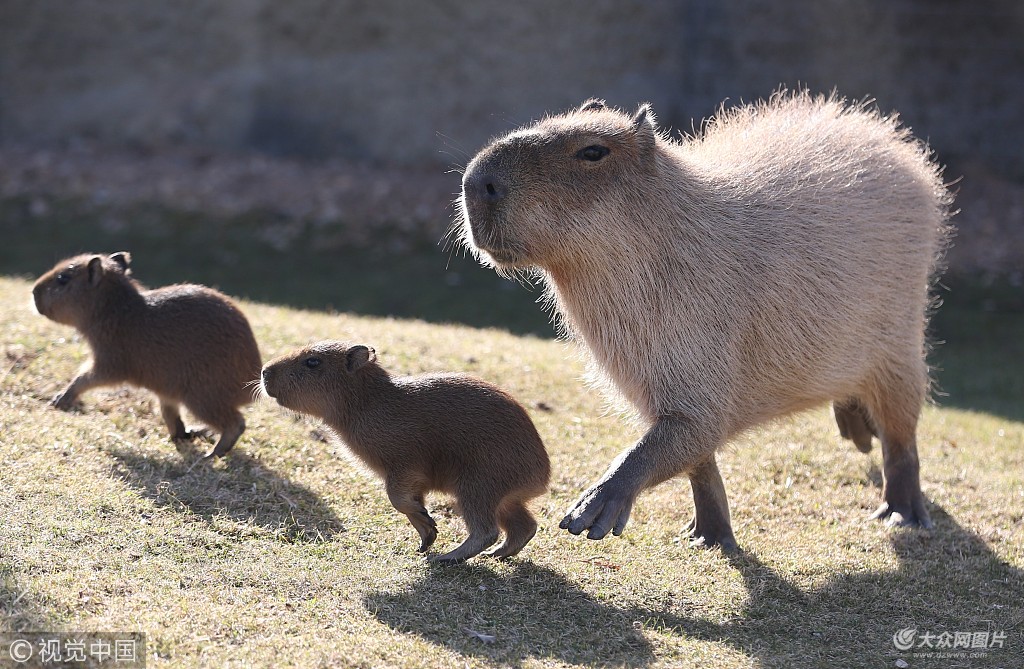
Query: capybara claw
[(893, 516)]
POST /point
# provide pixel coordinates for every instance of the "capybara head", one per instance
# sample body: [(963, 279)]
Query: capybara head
[(314, 379), (69, 292), (533, 195)]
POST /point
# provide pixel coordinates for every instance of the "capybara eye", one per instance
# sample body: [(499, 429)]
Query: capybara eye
[(593, 153), (63, 278), (312, 363)]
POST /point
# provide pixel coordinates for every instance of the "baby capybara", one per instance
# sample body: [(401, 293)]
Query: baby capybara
[(434, 432), (188, 344)]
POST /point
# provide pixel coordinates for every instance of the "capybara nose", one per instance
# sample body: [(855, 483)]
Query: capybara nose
[(266, 375), (483, 186)]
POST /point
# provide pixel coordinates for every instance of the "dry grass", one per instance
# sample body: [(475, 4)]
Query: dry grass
[(286, 554)]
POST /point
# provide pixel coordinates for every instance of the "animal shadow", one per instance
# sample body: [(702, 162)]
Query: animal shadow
[(947, 580), (244, 491), (530, 612)]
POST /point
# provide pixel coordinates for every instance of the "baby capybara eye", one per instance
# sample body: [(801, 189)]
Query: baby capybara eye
[(63, 278), (312, 363), (593, 153)]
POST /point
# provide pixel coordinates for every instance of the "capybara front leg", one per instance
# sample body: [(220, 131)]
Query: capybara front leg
[(671, 446), (408, 499), (710, 525), (87, 378)]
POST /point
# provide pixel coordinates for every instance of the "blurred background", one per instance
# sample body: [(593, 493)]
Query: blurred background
[(307, 152)]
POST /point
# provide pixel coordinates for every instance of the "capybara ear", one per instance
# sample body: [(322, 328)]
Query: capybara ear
[(593, 104), (644, 123), (95, 270), (123, 259), (358, 356)]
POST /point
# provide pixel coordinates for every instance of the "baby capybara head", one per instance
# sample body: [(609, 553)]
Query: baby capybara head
[(69, 292), (533, 195), (316, 379)]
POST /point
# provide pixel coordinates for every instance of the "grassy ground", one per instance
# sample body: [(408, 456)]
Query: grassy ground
[(286, 554)]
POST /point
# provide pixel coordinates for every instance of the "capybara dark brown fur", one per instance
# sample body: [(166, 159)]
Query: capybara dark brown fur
[(188, 344), (433, 432), (780, 258)]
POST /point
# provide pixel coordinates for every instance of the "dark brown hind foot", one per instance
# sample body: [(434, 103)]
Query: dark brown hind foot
[(519, 526), (855, 424), (227, 441)]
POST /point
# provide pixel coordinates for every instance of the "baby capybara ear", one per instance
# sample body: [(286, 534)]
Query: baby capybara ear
[(358, 356), (95, 270), (123, 259)]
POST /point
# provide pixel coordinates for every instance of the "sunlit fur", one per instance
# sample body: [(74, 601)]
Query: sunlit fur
[(778, 259)]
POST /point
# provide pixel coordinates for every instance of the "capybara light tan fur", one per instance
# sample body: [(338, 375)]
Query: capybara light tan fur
[(188, 344), (780, 258), (433, 432)]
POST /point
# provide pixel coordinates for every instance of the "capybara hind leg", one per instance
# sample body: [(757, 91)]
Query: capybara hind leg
[(902, 501), (172, 418), (673, 445), (228, 438), (519, 526), (409, 500), (854, 423), (710, 525), (483, 532)]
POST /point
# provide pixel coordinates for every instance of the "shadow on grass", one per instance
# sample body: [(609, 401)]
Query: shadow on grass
[(533, 612), (245, 491), (948, 580)]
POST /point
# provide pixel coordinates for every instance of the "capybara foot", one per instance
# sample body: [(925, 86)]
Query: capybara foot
[(909, 515), (476, 543), (227, 440), (603, 508), (63, 401), (428, 534), (710, 537)]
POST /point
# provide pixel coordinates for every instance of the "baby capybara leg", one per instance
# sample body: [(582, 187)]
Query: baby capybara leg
[(172, 418), (854, 423), (408, 499), (895, 410), (710, 525), (481, 522), (519, 526)]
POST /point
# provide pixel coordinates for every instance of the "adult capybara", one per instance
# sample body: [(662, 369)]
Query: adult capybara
[(779, 259), (445, 432), (188, 344)]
